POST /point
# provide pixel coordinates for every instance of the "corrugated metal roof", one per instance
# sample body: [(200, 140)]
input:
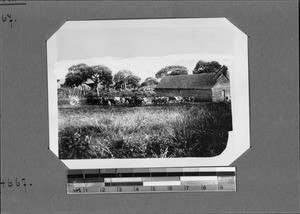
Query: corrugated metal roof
[(194, 81)]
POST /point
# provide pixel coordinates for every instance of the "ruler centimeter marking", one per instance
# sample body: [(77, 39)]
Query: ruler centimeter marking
[(101, 181)]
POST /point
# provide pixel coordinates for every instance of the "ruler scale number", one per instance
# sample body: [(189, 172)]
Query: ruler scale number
[(103, 181)]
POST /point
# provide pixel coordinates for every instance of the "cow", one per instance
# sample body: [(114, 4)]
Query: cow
[(112, 101), (146, 100), (117, 99), (89, 100), (179, 99), (138, 100), (129, 100), (189, 99), (172, 99), (160, 100), (106, 101), (155, 100), (122, 100), (192, 99), (93, 100), (164, 100)]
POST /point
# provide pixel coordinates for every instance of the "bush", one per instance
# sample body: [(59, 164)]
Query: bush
[(126, 149), (76, 142), (202, 132), (159, 147)]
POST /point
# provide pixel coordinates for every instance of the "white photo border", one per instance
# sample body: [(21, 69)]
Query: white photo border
[(238, 140)]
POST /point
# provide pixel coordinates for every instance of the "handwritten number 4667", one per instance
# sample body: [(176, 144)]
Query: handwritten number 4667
[(15, 182)]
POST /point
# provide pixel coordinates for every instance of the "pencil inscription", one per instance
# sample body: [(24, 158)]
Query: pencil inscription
[(16, 182)]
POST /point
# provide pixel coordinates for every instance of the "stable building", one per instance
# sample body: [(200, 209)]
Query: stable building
[(205, 87)]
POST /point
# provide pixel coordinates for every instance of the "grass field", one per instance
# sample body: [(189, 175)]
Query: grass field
[(183, 130)]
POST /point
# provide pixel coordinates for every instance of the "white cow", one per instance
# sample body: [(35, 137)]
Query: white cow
[(117, 99), (179, 99)]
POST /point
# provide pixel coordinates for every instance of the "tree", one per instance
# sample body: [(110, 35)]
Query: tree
[(133, 81), (73, 80), (150, 81), (224, 71), (124, 79), (171, 70), (101, 74), (77, 75), (209, 67)]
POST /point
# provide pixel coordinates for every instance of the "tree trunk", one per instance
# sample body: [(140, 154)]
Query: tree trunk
[(97, 89)]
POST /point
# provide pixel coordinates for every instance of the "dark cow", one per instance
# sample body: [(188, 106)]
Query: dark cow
[(155, 100), (90, 100), (112, 101), (138, 100), (106, 102), (93, 100), (122, 100), (189, 99), (172, 99), (129, 100), (160, 100)]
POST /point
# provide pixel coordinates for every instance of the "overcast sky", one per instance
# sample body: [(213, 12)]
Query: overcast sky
[(142, 46)]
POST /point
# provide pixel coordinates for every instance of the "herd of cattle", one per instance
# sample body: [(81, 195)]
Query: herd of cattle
[(135, 100)]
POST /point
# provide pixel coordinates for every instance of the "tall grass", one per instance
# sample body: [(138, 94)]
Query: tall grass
[(144, 132)]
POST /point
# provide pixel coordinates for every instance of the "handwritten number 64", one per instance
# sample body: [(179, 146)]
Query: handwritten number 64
[(8, 16)]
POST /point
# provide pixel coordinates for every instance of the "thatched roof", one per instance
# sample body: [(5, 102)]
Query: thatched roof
[(89, 81), (194, 81)]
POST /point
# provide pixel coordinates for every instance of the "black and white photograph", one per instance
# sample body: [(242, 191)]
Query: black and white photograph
[(142, 89), (149, 106)]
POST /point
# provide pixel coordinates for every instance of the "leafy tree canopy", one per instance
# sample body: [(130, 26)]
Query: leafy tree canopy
[(150, 81), (122, 75), (80, 73), (133, 81), (101, 74), (210, 67), (171, 70), (125, 78), (77, 74)]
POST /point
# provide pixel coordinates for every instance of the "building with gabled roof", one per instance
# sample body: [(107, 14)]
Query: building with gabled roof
[(205, 87), (89, 82)]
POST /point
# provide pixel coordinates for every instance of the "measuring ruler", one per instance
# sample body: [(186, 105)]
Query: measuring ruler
[(150, 180)]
